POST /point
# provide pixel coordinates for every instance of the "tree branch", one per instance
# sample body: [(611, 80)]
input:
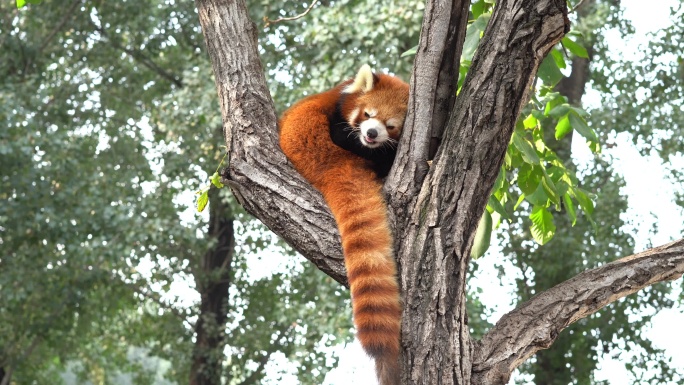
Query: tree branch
[(60, 25), (268, 21), (259, 175), (140, 58), (437, 235), (536, 324)]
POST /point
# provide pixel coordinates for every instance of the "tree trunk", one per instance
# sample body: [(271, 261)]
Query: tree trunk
[(434, 211), (212, 278), (5, 376)]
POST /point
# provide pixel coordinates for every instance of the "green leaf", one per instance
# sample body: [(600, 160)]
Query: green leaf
[(500, 179), (580, 125), (203, 200), (559, 110), (530, 122), (478, 8), (483, 236), (521, 198), (473, 35), (583, 199), (558, 58), (529, 178), (526, 149), (550, 189), (549, 72), (498, 207), (555, 100), (538, 114), (22, 3), (539, 197), (216, 180), (542, 227), (575, 48), (563, 127), (410, 52), (570, 208)]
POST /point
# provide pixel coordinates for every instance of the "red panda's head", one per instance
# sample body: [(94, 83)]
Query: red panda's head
[(376, 105)]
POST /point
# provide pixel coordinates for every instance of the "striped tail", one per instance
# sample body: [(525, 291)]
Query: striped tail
[(361, 213)]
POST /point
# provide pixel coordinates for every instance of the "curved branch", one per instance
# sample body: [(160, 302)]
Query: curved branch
[(536, 324), (260, 176), (60, 25), (268, 21), (140, 58)]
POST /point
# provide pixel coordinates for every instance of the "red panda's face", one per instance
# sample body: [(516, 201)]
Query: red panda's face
[(379, 114)]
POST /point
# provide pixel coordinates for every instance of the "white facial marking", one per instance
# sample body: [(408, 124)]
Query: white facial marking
[(372, 112), (352, 117), (380, 131)]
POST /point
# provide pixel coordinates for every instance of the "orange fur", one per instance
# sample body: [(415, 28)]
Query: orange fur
[(354, 194)]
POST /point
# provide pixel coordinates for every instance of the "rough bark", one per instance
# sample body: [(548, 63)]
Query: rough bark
[(437, 210), (537, 322), (435, 246), (212, 278)]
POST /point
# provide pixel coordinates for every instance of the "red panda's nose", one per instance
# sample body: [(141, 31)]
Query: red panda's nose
[(372, 133)]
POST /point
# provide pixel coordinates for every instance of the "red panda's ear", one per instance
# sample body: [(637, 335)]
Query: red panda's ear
[(363, 82)]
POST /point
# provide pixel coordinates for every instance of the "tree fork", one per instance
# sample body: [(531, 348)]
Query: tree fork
[(440, 207)]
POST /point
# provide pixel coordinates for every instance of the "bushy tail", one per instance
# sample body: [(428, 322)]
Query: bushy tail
[(387, 369), (361, 213)]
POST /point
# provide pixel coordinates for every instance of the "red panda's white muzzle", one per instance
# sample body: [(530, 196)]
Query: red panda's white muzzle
[(373, 133)]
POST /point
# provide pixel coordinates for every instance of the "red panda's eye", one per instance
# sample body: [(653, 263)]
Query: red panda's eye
[(366, 114), (391, 127)]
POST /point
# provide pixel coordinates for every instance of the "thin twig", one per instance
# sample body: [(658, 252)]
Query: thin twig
[(268, 21), (60, 25), (140, 58), (576, 6)]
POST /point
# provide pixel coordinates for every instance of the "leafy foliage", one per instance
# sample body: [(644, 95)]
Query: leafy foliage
[(583, 242), (107, 116)]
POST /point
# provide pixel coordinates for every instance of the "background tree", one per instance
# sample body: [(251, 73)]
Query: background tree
[(92, 234)]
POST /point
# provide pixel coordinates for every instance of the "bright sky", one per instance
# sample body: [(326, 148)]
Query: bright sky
[(644, 177)]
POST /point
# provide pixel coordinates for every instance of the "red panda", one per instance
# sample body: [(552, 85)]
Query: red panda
[(343, 141)]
